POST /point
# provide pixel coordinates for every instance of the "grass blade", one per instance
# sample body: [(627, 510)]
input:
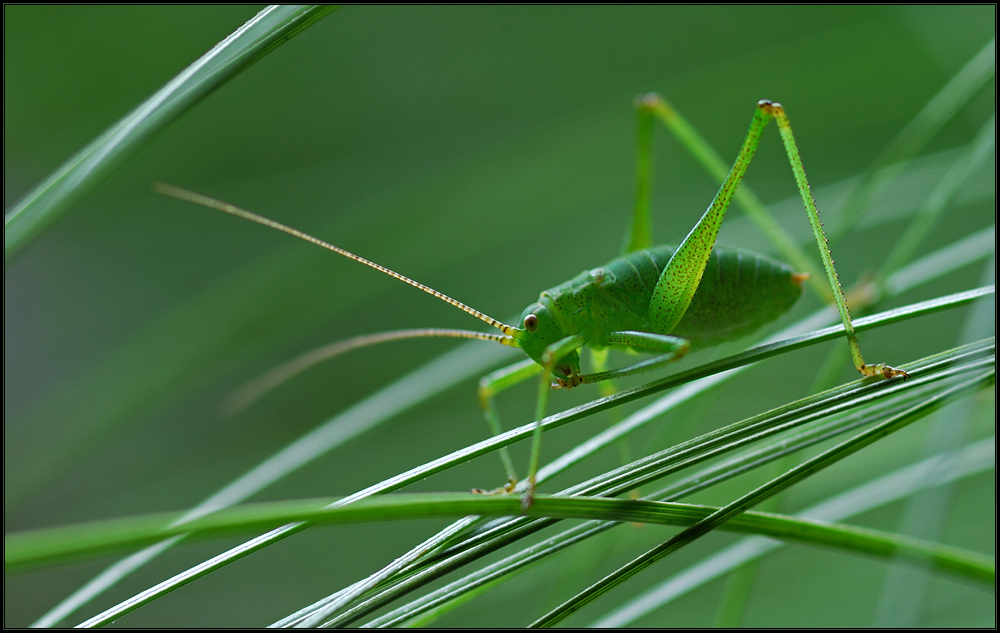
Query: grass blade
[(776, 485), (40, 546), (96, 162)]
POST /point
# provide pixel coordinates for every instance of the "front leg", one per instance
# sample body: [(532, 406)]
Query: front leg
[(550, 358), (599, 363), (489, 387)]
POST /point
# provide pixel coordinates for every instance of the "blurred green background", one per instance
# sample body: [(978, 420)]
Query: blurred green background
[(485, 151)]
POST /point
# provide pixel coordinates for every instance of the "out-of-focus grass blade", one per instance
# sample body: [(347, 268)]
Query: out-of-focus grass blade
[(975, 154), (911, 139), (970, 248), (92, 165)]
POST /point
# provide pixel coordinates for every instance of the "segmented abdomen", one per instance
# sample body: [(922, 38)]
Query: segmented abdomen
[(739, 293)]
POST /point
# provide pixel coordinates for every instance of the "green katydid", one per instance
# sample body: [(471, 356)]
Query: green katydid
[(653, 299)]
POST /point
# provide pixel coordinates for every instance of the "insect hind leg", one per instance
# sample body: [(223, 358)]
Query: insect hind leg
[(881, 370), (639, 234)]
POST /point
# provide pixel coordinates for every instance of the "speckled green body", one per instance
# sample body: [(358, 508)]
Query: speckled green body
[(739, 292)]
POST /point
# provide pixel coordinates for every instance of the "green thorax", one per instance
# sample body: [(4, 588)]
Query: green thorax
[(739, 293)]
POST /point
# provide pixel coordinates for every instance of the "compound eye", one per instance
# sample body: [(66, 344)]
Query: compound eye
[(531, 323)]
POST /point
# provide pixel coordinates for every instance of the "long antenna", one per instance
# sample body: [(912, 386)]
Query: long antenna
[(265, 383), (212, 203)]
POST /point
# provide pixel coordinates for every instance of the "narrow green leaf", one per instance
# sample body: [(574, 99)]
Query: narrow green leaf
[(740, 505), (32, 548), (95, 163)]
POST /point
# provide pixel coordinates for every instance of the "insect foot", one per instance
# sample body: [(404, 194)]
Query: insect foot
[(504, 490), (882, 370), (574, 381)]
